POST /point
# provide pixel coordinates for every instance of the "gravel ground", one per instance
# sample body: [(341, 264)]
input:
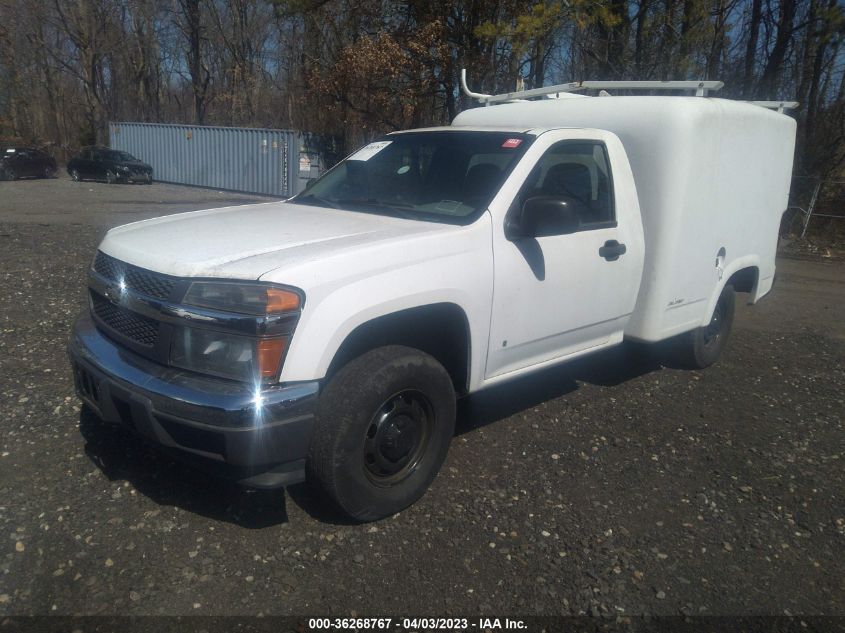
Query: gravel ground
[(610, 486)]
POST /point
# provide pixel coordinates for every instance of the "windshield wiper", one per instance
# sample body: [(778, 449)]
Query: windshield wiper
[(317, 200)]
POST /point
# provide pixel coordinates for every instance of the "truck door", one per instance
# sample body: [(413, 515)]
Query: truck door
[(572, 288)]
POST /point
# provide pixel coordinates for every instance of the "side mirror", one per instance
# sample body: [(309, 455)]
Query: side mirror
[(542, 217)]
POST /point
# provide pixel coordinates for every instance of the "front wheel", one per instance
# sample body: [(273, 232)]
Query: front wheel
[(702, 347), (384, 425), (48, 172), (11, 174), (74, 175), (111, 177)]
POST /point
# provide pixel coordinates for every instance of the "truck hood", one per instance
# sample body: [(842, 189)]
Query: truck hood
[(246, 242)]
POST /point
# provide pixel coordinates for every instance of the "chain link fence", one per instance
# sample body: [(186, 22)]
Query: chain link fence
[(816, 210)]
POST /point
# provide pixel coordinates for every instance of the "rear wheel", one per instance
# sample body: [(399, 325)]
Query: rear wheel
[(702, 347), (11, 174), (384, 425), (48, 172), (74, 175)]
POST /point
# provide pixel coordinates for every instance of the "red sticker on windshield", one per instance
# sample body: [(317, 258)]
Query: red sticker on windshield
[(512, 142)]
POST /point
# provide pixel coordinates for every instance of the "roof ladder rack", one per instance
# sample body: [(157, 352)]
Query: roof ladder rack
[(701, 88)]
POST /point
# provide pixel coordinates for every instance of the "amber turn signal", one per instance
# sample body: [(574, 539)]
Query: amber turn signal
[(269, 355), (279, 300)]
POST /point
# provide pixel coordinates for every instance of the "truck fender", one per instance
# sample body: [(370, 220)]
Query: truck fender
[(728, 272), (310, 363)]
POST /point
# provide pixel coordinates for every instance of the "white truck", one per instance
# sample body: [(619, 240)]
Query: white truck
[(328, 336)]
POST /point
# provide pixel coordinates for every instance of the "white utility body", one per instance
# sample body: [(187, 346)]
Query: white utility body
[(330, 333), (712, 180)]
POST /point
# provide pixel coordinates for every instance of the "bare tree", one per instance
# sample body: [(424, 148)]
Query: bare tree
[(87, 24), (349, 69), (190, 23)]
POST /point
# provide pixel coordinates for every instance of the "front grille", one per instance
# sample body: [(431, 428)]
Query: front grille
[(138, 279), (108, 267), (136, 327)]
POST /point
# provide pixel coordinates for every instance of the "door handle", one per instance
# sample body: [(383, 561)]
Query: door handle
[(612, 250)]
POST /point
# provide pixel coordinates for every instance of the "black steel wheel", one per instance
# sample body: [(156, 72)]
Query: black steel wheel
[(712, 333), (702, 347), (398, 437), (384, 424)]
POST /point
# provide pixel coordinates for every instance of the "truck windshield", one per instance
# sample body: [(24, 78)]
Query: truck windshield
[(445, 176)]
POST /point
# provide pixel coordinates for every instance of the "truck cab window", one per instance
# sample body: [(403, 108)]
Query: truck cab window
[(578, 172)]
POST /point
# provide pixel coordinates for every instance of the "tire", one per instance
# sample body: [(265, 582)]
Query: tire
[(10, 174), (48, 172), (74, 175), (111, 177), (148, 179), (702, 347), (384, 424)]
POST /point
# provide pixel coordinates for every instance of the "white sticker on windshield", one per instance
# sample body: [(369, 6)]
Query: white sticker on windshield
[(368, 151)]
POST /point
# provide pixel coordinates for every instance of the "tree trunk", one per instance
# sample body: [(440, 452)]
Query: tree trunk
[(640, 17), (770, 80), (193, 32), (751, 48)]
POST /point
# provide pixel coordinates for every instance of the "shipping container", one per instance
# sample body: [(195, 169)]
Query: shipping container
[(253, 160)]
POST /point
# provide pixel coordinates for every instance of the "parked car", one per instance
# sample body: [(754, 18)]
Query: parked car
[(111, 165), (26, 162), (328, 336)]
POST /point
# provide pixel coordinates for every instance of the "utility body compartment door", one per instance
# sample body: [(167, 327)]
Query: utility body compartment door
[(559, 295)]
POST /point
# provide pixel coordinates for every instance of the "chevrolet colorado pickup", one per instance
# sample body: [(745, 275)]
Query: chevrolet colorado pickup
[(328, 336)]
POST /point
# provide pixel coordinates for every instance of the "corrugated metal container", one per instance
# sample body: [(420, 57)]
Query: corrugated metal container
[(238, 159)]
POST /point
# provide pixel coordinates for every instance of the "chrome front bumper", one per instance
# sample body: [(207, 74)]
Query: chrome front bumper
[(259, 437)]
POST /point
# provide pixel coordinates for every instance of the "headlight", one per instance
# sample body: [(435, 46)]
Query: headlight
[(227, 355), (242, 297)]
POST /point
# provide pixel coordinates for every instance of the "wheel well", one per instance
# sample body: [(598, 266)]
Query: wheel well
[(441, 330), (745, 280)]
